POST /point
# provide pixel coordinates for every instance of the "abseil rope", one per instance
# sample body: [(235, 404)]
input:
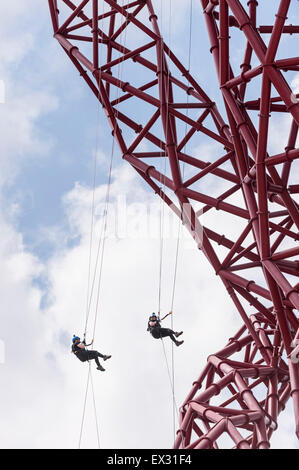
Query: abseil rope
[(179, 221), (95, 408), (162, 223), (89, 379), (101, 243), (101, 249), (84, 407), (171, 372)]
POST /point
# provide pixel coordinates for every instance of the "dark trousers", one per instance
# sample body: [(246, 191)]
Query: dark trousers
[(162, 333), (94, 355)]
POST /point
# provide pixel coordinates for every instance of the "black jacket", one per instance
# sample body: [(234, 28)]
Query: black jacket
[(151, 328), (81, 354)]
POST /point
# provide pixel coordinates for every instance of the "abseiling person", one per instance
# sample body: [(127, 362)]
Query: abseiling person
[(155, 329), (79, 348)]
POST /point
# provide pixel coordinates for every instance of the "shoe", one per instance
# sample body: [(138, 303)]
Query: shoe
[(178, 343), (101, 368), (106, 357), (178, 334)]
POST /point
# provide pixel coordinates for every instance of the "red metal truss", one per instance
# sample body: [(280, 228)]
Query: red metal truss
[(159, 114)]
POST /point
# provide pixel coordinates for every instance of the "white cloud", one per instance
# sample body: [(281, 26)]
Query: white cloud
[(137, 372), (53, 381), (26, 100), (15, 45), (18, 117)]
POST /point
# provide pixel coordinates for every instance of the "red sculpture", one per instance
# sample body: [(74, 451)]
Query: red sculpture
[(244, 386)]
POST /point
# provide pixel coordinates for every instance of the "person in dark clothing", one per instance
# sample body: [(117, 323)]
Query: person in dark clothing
[(83, 354), (155, 329)]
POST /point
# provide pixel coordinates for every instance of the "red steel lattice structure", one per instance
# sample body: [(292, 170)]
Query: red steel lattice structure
[(154, 118)]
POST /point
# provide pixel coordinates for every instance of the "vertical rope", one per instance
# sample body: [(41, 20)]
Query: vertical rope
[(95, 411), (92, 222), (162, 222), (172, 375), (105, 225), (99, 261), (89, 294), (176, 408), (107, 200), (171, 320), (84, 407)]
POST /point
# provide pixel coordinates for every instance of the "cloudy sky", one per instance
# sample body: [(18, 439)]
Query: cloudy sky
[(51, 131)]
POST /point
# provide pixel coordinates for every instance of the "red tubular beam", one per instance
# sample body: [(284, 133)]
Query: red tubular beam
[(127, 56), (234, 346), (207, 169), (224, 42), (137, 23), (286, 63), (214, 388), (95, 32), (236, 245), (197, 384), (54, 14), (244, 77), (127, 22), (285, 254), (260, 50), (184, 425), (290, 292), (280, 19), (144, 131), (75, 13), (264, 241), (203, 165), (248, 285), (282, 157), (192, 131), (211, 4), (149, 170), (128, 95), (284, 230), (206, 442), (215, 203), (272, 400), (236, 436), (88, 22), (286, 29)]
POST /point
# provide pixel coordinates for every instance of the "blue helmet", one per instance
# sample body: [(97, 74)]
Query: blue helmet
[(75, 338)]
